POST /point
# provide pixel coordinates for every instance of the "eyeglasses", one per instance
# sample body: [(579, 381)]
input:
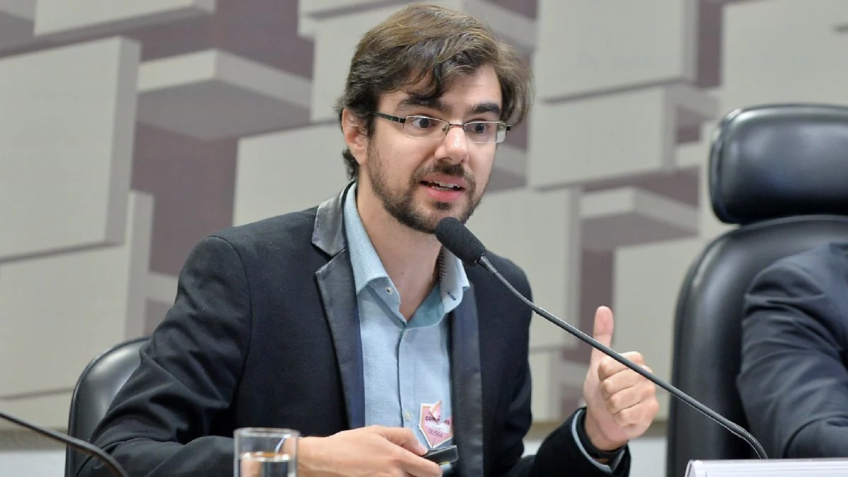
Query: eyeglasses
[(425, 127)]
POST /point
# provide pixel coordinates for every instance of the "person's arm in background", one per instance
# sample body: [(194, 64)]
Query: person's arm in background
[(793, 380)]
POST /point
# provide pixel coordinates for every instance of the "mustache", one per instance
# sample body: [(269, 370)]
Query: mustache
[(454, 170)]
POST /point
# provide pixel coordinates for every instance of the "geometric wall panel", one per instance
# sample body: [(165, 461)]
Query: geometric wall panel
[(555, 381), (213, 95), (610, 136), (287, 171), (629, 216), (542, 365), (516, 29), (90, 17), (586, 46), (510, 168), (68, 192), (16, 22), (50, 409), (644, 308), (508, 223), (335, 41), (767, 62), (70, 307)]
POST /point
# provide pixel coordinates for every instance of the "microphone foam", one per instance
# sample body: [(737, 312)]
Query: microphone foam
[(459, 240)]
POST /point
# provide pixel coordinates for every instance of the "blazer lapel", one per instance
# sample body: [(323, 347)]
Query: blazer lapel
[(335, 282), (466, 385)]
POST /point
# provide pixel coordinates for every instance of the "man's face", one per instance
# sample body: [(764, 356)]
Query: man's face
[(420, 181)]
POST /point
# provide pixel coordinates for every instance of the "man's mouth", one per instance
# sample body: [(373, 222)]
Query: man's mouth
[(443, 185)]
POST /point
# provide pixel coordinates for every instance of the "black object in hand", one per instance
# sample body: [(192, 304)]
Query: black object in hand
[(443, 455)]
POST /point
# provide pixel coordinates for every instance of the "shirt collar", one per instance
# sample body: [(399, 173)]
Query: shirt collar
[(367, 266)]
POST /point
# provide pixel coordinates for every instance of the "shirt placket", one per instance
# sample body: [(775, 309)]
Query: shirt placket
[(406, 379)]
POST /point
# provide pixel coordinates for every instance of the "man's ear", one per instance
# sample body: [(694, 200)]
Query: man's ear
[(354, 135)]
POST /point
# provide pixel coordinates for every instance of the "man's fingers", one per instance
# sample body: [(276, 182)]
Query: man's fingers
[(402, 437), (638, 417), (631, 396), (608, 367), (422, 468), (408, 459), (620, 381)]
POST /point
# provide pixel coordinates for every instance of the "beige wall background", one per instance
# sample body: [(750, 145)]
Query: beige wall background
[(131, 129)]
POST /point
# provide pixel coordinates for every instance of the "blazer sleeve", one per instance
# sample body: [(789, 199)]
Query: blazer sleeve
[(160, 423), (560, 455), (793, 380)]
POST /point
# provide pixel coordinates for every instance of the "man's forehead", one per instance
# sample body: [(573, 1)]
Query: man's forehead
[(408, 100)]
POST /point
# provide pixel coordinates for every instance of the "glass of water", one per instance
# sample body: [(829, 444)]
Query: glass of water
[(265, 452)]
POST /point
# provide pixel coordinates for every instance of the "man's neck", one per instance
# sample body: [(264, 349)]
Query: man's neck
[(408, 256)]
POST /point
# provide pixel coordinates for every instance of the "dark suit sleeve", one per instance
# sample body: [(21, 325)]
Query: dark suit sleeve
[(559, 454), (160, 423), (793, 382)]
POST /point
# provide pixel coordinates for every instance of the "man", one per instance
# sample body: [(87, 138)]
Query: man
[(794, 376), (350, 323)]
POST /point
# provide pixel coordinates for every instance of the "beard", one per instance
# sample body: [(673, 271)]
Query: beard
[(401, 205)]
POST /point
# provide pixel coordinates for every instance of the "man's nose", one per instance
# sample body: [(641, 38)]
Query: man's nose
[(455, 143)]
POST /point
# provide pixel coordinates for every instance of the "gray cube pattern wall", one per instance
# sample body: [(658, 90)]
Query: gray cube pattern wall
[(131, 129)]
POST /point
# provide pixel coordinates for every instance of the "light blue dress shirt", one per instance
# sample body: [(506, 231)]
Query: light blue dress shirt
[(406, 363)]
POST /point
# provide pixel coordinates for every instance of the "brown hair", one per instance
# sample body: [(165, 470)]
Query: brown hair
[(429, 46)]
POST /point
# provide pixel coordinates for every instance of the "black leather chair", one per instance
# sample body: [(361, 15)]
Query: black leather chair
[(781, 173), (95, 390)]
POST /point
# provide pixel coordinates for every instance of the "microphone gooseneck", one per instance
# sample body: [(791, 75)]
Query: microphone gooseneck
[(72, 442), (461, 242)]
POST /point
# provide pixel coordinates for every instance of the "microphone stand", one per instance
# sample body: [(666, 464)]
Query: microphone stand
[(734, 428)]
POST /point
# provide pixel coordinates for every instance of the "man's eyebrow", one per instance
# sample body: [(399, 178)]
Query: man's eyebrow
[(483, 108), (418, 101), (438, 105)]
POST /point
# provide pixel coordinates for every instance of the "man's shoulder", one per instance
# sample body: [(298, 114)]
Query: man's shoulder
[(824, 266), (825, 259), (285, 230), (513, 273)]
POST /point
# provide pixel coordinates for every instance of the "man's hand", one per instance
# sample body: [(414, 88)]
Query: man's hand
[(373, 451), (620, 403)]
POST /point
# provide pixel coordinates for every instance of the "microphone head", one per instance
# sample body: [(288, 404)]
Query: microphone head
[(459, 240)]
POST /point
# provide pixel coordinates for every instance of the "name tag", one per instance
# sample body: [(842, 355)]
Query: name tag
[(437, 429)]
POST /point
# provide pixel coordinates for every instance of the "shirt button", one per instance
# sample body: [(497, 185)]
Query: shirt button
[(389, 290), (407, 415)]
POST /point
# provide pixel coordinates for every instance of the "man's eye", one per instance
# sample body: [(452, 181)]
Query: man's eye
[(479, 128), (422, 123)]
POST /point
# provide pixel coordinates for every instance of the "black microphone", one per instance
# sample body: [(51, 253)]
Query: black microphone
[(72, 442), (461, 242)]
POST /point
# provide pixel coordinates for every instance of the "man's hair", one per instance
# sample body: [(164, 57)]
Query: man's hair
[(429, 47)]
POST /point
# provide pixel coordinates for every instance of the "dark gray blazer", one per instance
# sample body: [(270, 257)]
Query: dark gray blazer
[(264, 332), (794, 377)]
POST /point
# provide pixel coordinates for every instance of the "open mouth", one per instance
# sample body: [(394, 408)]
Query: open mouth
[(442, 186)]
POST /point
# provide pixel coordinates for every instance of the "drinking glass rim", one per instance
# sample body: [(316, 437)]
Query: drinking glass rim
[(266, 431)]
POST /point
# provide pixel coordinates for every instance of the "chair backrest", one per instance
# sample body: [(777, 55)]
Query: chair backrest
[(781, 173), (96, 388)]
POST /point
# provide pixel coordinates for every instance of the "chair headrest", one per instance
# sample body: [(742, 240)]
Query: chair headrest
[(778, 161)]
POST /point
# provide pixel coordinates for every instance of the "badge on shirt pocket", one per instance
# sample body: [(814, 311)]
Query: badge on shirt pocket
[(437, 429)]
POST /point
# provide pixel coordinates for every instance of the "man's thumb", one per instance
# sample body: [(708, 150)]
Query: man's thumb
[(602, 332)]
